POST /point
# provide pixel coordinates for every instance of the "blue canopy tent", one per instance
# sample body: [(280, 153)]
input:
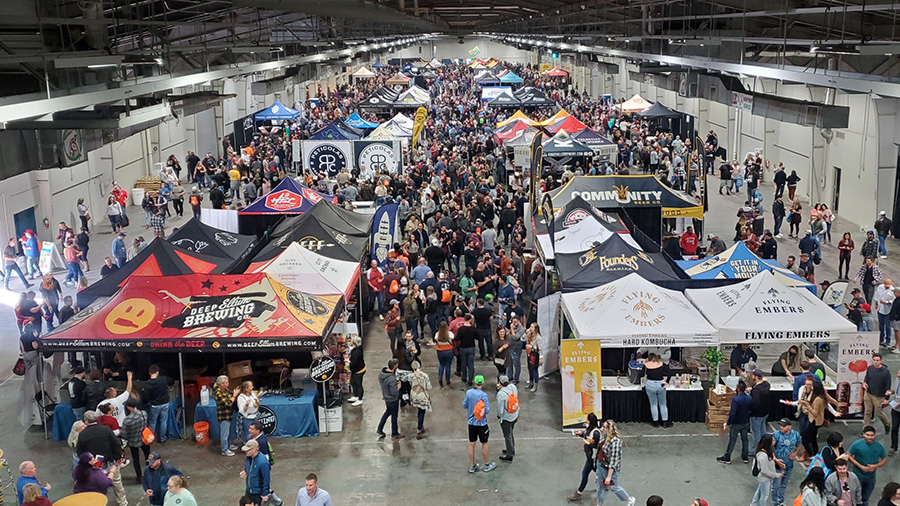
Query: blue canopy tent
[(738, 262), (276, 112), (511, 78), (334, 132), (377, 65), (288, 198), (356, 121)]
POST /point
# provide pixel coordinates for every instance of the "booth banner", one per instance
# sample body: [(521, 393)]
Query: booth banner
[(329, 157), (49, 257), (296, 154), (548, 321), (580, 381), (537, 154), (491, 92), (855, 351), (383, 230), (374, 154)]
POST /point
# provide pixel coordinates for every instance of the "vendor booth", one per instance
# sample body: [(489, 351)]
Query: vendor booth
[(517, 116), (505, 100), (363, 73), (486, 78), (288, 198), (277, 112), (315, 273), (664, 119), (510, 77), (634, 104), (556, 119), (738, 262), (557, 72), (159, 259), (628, 312), (356, 121), (398, 80), (335, 131), (412, 98), (561, 151), (199, 237), (533, 97), (604, 149), (571, 125), (382, 98)]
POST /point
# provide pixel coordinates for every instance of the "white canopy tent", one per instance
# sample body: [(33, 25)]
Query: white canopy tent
[(762, 310), (317, 274), (635, 104), (363, 73), (633, 312)]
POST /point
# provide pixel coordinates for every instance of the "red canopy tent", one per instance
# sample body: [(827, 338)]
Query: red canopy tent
[(557, 72), (201, 312), (510, 131), (570, 125)]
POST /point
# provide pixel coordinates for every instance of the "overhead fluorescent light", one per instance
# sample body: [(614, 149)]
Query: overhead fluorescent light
[(878, 49), (103, 66), (72, 62), (848, 49)]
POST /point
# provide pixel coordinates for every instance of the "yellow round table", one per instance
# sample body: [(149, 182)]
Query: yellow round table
[(83, 499)]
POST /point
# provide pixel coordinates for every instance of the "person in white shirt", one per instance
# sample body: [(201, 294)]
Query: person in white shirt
[(118, 400), (248, 406), (883, 300)]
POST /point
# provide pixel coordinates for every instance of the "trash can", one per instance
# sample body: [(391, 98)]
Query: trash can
[(137, 196), (201, 432)]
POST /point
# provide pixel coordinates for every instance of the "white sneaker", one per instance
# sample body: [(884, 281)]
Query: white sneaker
[(357, 402), (883, 256), (895, 351), (630, 501), (381, 316), (353, 399), (779, 236), (228, 453)]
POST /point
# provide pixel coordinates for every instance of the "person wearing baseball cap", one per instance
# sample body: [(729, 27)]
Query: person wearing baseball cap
[(477, 405), (156, 476), (699, 502), (119, 250), (787, 443), (883, 227), (256, 472)]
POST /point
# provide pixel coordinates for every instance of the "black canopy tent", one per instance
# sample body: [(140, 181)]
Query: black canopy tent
[(533, 97), (668, 119), (201, 238), (505, 100), (382, 98), (561, 150)]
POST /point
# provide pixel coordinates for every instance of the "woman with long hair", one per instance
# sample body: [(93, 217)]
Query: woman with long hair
[(419, 396), (444, 347), (834, 450), (32, 496), (796, 218), (177, 493), (114, 213), (812, 488), (813, 405), (411, 311), (845, 249), (609, 464), (533, 354), (591, 436), (765, 463), (890, 496), (89, 477), (501, 352), (658, 376), (248, 407), (467, 285)]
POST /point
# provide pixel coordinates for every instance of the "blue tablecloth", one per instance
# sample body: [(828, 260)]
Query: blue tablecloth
[(64, 419), (293, 417)]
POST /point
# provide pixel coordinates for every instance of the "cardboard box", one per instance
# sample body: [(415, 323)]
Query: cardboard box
[(240, 369)]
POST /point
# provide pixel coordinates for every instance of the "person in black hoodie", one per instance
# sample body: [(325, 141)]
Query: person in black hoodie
[(759, 405), (95, 392), (77, 387), (768, 248), (390, 392), (357, 371)]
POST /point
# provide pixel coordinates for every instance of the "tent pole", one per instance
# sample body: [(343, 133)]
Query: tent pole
[(359, 316), (40, 373), (183, 400)]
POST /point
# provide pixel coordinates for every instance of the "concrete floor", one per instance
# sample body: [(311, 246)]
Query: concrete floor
[(357, 469)]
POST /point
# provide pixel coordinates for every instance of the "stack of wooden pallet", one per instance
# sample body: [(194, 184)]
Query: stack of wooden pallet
[(718, 404), (148, 183)]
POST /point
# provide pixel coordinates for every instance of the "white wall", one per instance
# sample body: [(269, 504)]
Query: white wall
[(448, 47)]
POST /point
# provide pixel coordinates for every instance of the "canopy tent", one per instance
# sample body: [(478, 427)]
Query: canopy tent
[(510, 77), (570, 125), (382, 97), (504, 100), (633, 312), (560, 115), (201, 312), (610, 260), (486, 78), (512, 130), (762, 310), (402, 120), (658, 110), (317, 274), (477, 64), (419, 64), (384, 132), (738, 262), (398, 80), (377, 65), (413, 97), (435, 64), (533, 97), (289, 197), (491, 63), (593, 140), (158, 259), (604, 192), (356, 121), (522, 138), (634, 104), (334, 131), (276, 112), (562, 145), (199, 237), (364, 73), (557, 72), (517, 116)]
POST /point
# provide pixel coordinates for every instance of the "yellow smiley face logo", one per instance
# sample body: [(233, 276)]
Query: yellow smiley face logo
[(139, 344), (130, 316), (215, 345)]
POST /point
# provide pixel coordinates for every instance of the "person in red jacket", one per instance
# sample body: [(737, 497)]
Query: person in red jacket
[(689, 242)]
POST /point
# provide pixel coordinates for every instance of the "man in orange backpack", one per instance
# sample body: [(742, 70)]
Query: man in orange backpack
[(478, 406), (508, 413)]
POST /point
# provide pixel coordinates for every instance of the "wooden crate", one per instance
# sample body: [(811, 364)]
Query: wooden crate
[(717, 410), (713, 426), (721, 400)]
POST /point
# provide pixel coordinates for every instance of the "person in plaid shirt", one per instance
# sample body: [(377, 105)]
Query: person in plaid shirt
[(609, 463), (132, 433), (158, 222), (224, 401)]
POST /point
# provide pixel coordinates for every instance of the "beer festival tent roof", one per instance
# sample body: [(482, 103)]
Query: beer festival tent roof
[(510, 77), (399, 80), (738, 262), (334, 131), (557, 72), (560, 115), (199, 237), (434, 63), (562, 145), (517, 116), (383, 133), (382, 97), (592, 139), (314, 273), (158, 259), (634, 104), (505, 99), (570, 125), (289, 197), (610, 260), (364, 73), (533, 97), (633, 312), (658, 110), (762, 310), (511, 130), (356, 121), (629, 191), (486, 77), (522, 137), (412, 97), (275, 112), (377, 65), (201, 312)]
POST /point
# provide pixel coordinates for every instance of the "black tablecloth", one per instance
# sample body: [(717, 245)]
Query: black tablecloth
[(634, 406)]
